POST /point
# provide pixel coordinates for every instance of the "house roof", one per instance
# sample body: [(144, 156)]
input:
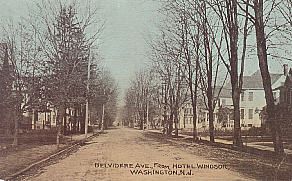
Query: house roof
[(287, 82), (225, 92), (254, 81)]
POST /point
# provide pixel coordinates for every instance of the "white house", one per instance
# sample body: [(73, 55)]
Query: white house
[(252, 98), (186, 117), (252, 101)]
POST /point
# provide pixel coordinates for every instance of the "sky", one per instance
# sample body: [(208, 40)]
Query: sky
[(123, 46), (123, 42)]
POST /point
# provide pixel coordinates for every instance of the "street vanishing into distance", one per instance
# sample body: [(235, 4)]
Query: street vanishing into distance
[(150, 90), (130, 146)]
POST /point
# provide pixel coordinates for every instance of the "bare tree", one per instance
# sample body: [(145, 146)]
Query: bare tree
[(228, 45), (259, 17), (140, 98), (167, 61)]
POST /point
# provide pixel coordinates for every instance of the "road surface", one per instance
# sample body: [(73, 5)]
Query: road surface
[(127, 154)]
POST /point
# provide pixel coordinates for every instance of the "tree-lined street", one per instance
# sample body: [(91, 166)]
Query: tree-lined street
[(85, 95), (130, 146)]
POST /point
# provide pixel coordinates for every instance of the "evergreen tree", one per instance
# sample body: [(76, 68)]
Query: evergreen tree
[(6, 81)]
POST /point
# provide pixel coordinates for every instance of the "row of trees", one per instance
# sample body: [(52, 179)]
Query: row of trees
[(51, 56), (141, 100), (201, 44)]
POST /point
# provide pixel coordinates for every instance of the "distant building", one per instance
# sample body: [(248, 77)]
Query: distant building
[(252, 98), (252, 101), (186, 117)]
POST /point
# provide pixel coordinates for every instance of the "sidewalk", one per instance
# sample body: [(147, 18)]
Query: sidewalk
[(253, 145), (78, 137)]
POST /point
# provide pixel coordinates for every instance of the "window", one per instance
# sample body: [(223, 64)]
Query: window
[(242, 96), (250, 96), (250, 114), (249, 125), (241, 113)]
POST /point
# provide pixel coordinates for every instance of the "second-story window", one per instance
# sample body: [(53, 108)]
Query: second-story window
[(242, 96), (241, 113), (250, 96)]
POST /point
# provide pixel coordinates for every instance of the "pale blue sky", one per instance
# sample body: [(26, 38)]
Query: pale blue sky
[(128, 23), (123, 46)]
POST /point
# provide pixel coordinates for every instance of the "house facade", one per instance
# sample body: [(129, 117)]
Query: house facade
[(252, 98), (252, 102), (186, 117)]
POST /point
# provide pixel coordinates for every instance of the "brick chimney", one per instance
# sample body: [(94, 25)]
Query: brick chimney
[(285, 67)]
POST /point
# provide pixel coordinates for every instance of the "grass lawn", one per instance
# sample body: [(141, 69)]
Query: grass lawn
[(286, 145), (24, 155), (259, 166), (32, 148)]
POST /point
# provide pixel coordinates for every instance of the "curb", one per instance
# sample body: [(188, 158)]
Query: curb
[(77, 143)]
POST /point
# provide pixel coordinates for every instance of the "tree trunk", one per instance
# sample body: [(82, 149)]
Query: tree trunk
[(75, 120), (16, 127), (65, 126), (176, 123), (263, 64), (170, 125), (82, 120), (194, 98), (210, 98), (60, 117), (236, 89), (211, 126), (237, 140), (141, 123)]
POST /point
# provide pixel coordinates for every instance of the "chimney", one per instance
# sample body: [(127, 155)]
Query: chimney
[(285, 66)]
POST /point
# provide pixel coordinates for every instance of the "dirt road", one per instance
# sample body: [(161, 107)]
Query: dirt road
[(127, 154)]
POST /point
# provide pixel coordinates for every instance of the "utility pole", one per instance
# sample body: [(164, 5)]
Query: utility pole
[(147, 115), (87, 97), (102, 116)]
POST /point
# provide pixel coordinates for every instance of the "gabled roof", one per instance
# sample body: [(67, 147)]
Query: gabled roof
[(254, 81)]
